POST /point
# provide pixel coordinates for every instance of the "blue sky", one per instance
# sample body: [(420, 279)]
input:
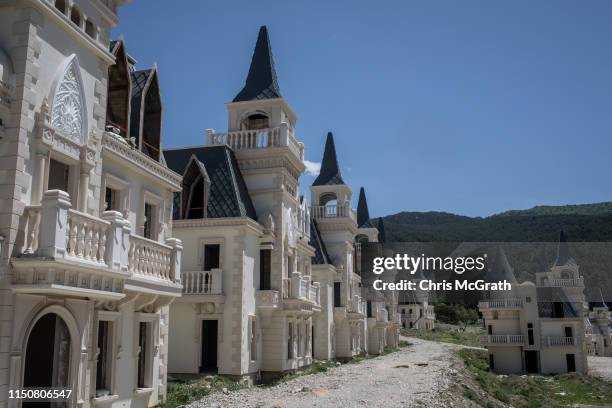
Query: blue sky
[(471, 107)]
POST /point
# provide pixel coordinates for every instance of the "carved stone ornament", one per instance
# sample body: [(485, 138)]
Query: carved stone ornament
[(68, 108)]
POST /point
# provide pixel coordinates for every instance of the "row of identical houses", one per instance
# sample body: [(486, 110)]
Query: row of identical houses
[(121, 261), (544, 326)]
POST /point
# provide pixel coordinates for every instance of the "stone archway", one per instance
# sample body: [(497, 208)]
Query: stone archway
[(48, 357)]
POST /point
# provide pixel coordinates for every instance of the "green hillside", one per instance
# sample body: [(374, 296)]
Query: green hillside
[(587, 222)]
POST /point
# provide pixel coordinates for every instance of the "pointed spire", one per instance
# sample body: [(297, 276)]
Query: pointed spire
[(501, 269), (363, 214), (261, 83), (382, 235), (563, 253), (330, 172)]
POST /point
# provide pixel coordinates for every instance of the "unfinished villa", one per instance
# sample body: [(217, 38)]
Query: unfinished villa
[(541, 326), (269, 282)]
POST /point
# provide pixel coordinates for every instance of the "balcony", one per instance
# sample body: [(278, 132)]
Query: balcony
[(599, 314), (500, 304), (203, 282), (333, 211), (300, 288), (278, 137), (68, 252), (267, 299), (552, 341), (502, 340), (357, 306), (382, 316)]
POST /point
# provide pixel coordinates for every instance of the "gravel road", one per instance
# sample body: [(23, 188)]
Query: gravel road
[(416, 376)]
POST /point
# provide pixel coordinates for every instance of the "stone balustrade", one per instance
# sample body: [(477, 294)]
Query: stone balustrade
[(281, 136), (500, 304), (268, 299), (560, 341), (502, 339), (300, 287), (357, 305), (54, 231), (203, 282), (563, 283), (333, 211), (382, 316), (150, 258)]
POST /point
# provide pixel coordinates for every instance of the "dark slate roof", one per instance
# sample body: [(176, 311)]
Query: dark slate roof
[(501, 269), (330, 171), (139, 82), (228, 194), (261, 83), (564, 257), (363, 214), (382, 235), (321, 256)]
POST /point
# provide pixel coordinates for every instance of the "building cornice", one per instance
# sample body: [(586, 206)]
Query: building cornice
[(141, 161), (232, 222)]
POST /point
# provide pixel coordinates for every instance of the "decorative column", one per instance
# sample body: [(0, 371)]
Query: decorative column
[(83, 188), (55, 205), (38, 188)]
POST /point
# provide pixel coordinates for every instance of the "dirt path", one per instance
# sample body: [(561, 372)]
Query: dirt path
[(417, 376)]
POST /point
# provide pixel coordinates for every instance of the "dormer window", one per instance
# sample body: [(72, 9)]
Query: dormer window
[(257, 121), (61, 6), (75, 16), (118, 99), (151, 122)]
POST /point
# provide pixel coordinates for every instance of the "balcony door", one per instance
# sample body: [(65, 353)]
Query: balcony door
[(531, 361), (208, 356)]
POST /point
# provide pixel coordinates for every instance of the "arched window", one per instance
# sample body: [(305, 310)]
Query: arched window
[(565, 275), (61, 6), (75, 16), (256, 121), (90, 29)]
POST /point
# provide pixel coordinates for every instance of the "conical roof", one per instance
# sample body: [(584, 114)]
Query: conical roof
[(261, 83), (330, 172), (564, 256), (501, 269), (382, 235), (363, 214)]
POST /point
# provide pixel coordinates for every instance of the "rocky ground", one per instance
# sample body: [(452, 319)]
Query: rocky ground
[(423, 375)]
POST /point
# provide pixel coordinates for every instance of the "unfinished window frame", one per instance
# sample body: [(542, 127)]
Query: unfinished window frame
[(114, 321), (152, 321)]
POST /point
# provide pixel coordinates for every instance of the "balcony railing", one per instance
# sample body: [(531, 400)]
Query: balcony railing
[(600, 314), (502, 339), (280, 136), (560, 341), (92, 245), (203, 282), (562, 283), (269, 299), (357, 305), (300, 287), (501, 304), (333, 211)]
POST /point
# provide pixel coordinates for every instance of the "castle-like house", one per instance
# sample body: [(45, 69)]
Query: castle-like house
[(537, 327), (269, 283), (88, 261)]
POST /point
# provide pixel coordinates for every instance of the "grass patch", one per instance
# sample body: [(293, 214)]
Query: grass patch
[(469, 337), (532, 391), (184, 388)]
